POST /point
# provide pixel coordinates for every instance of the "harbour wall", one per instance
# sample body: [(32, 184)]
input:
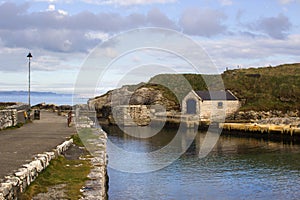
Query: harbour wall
[(95, 141), (269, 131)]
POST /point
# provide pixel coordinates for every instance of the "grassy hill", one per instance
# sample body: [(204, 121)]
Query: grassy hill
[(265, 88), (260, 89)]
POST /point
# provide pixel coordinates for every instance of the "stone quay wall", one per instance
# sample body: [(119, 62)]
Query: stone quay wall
[(8, 118), (130, 115), (17, 182), (97, 185)]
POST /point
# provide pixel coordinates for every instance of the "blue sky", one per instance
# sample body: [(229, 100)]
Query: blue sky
[(61, 34)]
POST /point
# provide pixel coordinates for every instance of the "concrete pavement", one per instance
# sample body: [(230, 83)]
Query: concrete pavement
[(18, 146)]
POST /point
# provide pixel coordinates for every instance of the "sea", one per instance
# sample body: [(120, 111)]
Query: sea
[(42, 97)]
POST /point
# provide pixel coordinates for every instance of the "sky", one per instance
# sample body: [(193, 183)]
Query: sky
[(63, 34)]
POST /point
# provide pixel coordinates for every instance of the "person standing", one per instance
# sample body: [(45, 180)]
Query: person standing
[(69, 118)]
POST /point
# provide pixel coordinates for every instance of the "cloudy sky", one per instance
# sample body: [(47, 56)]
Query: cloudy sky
[(61, 34)]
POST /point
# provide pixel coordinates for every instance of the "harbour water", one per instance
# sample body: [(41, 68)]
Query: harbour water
[(236, 168)]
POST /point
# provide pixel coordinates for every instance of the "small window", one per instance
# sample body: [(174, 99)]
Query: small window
[(220, 104)]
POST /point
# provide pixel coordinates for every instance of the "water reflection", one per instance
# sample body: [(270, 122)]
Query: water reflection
[(146, 158), (236, 168)]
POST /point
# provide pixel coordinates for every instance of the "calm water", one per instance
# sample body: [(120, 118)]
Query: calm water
[(237, 168)]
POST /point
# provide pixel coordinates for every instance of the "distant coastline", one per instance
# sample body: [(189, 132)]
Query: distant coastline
[(41, 97), (32, 93)]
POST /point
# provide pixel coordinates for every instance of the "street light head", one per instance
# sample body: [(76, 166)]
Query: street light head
[(29, 55)]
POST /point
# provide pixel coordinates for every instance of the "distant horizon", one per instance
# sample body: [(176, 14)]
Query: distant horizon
[(34, 92)]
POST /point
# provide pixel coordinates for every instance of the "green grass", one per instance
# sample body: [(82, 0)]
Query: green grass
[(274, 88), (265, 88), (86, 134), (72, 173), (77, 140)]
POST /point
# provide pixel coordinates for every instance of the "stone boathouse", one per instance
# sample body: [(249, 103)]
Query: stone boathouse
[(210, 104)]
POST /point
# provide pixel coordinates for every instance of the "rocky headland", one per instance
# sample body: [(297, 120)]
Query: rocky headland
[(52, 107), (144, 95)]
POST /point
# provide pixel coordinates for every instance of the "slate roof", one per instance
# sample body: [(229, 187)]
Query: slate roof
[(216, 95)]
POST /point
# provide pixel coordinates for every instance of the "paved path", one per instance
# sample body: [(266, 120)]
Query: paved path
[(18, 146)]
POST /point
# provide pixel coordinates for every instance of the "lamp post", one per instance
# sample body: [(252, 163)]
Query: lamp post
[(29, 56)]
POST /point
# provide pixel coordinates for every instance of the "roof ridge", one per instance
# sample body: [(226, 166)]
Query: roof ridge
[(216, 95)]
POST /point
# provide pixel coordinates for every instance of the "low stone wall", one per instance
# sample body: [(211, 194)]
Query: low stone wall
[(261, 115), (16, 183), (12, 114), (8, 118), (292, 121)]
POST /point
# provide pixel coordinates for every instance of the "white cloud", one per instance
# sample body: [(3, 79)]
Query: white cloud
[(92, 35), (158, 19), (62, 12), (226, 2), (78, 33), (51, 7), (202, 22), (286, 1), (136, 59), (248, 51), (55, 30), (111, 52), (49, 1), (128, 2), (276, 27)]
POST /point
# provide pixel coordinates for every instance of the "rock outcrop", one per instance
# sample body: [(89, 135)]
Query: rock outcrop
[(52, 107), (151, 96), (144, 95)]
